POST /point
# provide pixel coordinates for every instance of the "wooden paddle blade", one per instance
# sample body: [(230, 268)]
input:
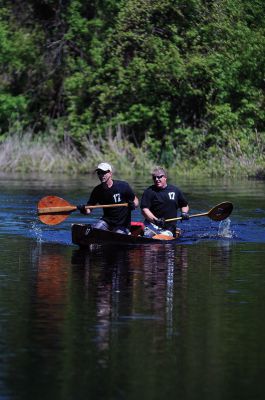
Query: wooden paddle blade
[(221, 211), (53, 219), (52, 201), (60, 210)]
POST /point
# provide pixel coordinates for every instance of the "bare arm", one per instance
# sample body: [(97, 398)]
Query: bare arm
[(149, 215), (136, 202), (152, 218)]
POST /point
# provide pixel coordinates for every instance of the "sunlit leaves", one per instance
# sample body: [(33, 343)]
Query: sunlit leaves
[(171, 72)]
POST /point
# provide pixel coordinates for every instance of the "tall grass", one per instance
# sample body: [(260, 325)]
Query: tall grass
[(29, 153), (26, 153)]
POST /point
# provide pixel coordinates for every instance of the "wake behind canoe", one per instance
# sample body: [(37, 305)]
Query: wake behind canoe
[(84, 235)]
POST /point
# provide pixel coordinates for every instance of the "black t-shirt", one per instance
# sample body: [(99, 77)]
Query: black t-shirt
[(164, 203), (119, 192)]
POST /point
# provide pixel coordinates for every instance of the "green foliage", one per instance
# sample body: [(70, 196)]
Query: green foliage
[(12, 107), (182, 78), (18, 54)]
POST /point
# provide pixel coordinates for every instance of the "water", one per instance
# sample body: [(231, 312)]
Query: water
[(143, 322)]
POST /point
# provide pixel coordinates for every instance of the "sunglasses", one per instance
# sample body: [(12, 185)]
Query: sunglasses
[(155, 177), (100, 172)]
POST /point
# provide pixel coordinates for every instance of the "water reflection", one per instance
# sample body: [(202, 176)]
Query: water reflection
[(49, 301), (51, 282), (135, 284), (145, 322), (32, 304), (149, 294), (131, 319)]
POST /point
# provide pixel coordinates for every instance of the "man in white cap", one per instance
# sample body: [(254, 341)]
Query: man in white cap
[(109, 191)]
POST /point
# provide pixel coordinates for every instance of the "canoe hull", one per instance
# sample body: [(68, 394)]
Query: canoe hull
[(84, 235)]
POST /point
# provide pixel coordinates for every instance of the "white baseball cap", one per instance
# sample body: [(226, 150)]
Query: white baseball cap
[(104, 167)]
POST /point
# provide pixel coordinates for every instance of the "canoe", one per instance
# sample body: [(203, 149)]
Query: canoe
[(84, 235)]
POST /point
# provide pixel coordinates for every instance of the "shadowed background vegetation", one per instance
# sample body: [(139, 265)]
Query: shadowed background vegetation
[(179, 82)]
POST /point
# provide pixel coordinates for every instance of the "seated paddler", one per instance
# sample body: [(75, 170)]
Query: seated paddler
[(114, 192), (161, 201)]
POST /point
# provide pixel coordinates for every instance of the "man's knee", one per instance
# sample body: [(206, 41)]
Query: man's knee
[(123, 231), (101, 225)]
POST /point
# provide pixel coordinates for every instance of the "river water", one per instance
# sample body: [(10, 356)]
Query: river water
[(181, 321)]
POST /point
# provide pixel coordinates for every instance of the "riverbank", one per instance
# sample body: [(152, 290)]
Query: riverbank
[(25, 153)]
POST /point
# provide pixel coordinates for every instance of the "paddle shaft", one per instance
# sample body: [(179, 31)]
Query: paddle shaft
[(191, 216), (217, 213), (69, 209)]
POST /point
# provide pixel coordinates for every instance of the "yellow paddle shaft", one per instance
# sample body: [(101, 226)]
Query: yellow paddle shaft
[(48, 210), (191, 216)]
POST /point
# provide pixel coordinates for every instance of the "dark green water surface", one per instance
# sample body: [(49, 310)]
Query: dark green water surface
[(145, 322)]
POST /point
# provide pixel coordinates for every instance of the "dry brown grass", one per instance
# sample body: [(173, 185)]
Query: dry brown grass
[(24, 153), (28, 153)]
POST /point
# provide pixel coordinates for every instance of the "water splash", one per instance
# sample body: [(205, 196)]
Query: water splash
[(36, 230), (224, 230)]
